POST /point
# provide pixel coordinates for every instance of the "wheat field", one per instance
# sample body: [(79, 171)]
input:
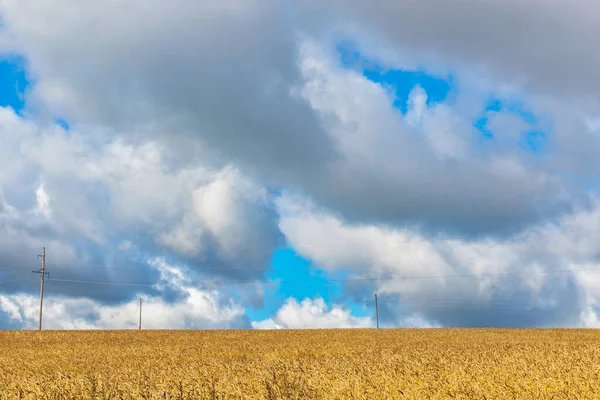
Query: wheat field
[(315, 364)]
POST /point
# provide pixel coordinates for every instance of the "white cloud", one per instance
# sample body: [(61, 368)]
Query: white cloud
[(126, 185), (43, 202), (312, 314), (229, 209), (200, 310), (418, 168), (449, 280), (195, 309), (417, 106), (100, 203)]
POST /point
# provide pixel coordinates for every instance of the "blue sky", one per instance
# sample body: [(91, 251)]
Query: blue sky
[(13, 81), (400, 82), (533, 140), (298, 279)]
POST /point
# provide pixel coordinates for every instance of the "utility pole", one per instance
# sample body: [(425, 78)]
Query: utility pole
[(140, 325), (43, 273), (376, 311)]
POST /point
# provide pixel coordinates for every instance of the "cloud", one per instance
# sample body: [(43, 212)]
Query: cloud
[(542, 45), (43, 202), (193, 307), (426, 168), (185, 121), (199, 310), (312, 314), (219, 74), (265, 92), (543, 276), (104, 207)]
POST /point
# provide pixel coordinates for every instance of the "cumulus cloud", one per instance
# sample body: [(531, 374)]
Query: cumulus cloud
[(312, 314), (426, 168), (186, 121), (543, 276), (103, 210)]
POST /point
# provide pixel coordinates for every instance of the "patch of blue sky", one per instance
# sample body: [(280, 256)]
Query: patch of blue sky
[(512, 106), (295, 277), (443, 90), (403, 82), (400, 82), (534, 140), (481, 124), (13, 82)]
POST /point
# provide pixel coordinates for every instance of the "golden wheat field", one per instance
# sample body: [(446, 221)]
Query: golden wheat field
[(317, 364)]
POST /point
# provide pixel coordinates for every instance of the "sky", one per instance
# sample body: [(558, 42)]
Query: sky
[(259, 164)]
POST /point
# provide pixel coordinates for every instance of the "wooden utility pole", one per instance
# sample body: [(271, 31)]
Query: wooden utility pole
[(376, 311), (140, 325), (43, 273)]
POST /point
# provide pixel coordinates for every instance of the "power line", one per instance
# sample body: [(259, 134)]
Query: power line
[(9, 286), (13, 282), (101, 282), (333, 281), (459, 302), (12, 267), (222, 268), (474, 303), (473, 275), (516, 306)]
